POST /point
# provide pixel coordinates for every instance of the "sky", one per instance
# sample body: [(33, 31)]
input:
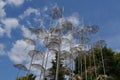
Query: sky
[(17, 15)]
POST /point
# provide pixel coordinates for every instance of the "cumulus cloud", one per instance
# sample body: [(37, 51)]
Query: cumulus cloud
[(1, 31), (2, 10), (2, 13), (30, 11), (9, 24), (25, 31), (19, 52), (2, 52), (15, 2), (74, 20), (66, 43), (2, 4)]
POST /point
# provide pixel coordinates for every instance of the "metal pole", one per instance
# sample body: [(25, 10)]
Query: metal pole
[(30, 65), (58, 59), (41, 70), (46, 64)]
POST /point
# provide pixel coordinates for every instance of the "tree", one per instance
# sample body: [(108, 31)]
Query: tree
[(117, 66), (111, 62), (61, 72), (108, 55), (80, 65), (27, 77)]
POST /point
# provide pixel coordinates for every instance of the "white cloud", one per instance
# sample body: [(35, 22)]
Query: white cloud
[(45, 8), (30, 11), (2, 13), (2, 10), (2, 52), (74, 19), (2, 4), (15, 2), (6, 2), (19, 52), (26, 32), (1, 31), (66, 42), (9, 24)]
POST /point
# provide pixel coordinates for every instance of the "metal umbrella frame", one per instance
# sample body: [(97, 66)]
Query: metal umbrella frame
[(29, 41), (39, 67), (68, 56), (93, 29), (99, 44), (56, 12), (20, 67), (67, 27), (34, 54), (40, 32)]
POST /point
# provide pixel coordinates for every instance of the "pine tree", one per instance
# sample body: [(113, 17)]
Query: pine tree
[(61, 72)]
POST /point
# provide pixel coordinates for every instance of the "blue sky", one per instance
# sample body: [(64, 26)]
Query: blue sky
[(17, 15)]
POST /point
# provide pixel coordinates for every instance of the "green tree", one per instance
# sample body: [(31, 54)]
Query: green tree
[(108, 56), (117, 66), (61, 72), (80, 65), (111, 62), (27, 77)]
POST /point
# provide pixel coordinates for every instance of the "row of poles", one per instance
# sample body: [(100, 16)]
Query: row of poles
[(54, 38)]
